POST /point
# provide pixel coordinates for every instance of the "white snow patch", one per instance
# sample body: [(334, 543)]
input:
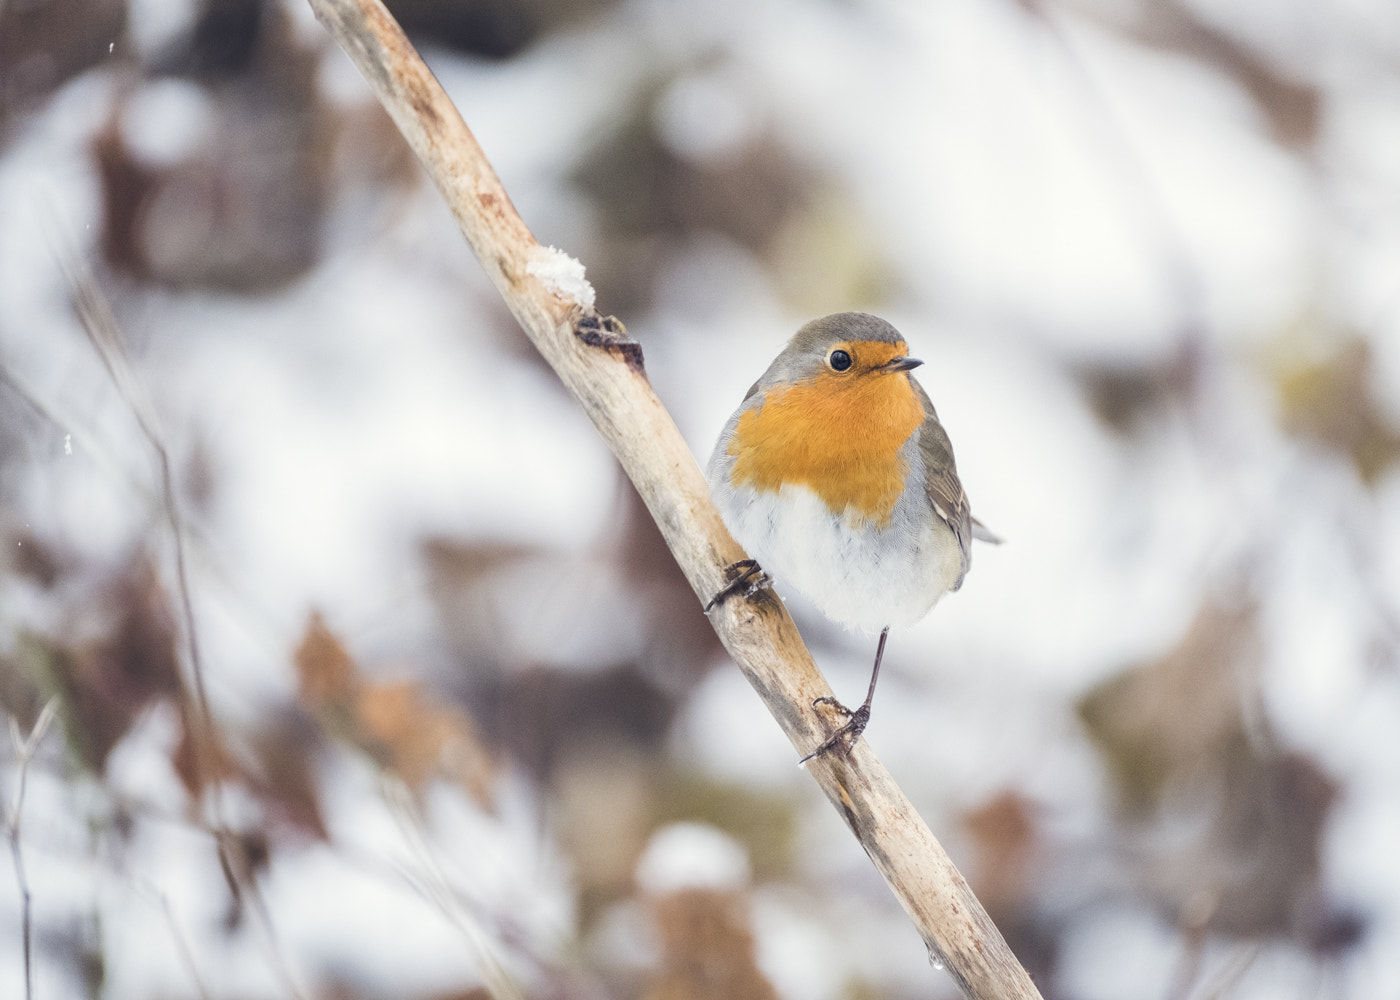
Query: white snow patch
[(692, 855), (167, 121), (562, 275)]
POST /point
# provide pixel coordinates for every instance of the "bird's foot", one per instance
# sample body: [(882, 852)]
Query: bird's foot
[(844, 739), (746, 578)]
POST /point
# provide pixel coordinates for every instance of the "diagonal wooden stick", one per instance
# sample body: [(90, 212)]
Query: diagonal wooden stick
[(604, 371)]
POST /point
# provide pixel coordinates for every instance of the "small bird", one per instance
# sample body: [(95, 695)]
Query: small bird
[(835, 474)]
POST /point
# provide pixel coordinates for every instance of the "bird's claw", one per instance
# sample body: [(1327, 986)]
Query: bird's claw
[(827, 699), (746, 578), (844, 739)]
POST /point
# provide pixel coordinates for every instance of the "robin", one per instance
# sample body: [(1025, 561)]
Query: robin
[(837, 476)]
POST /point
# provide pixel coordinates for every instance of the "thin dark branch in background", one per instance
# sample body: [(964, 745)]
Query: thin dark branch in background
[(72, 428), (25, 748), (183, 946), (250, 894), (102, 329)]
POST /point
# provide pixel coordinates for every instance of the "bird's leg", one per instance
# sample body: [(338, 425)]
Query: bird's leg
[(746, 578), (845, 737)]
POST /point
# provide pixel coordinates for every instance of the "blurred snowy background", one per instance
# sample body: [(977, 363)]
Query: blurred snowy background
[(473, 733)]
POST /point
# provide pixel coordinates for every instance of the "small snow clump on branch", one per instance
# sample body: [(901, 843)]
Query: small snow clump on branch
[(561, 274)]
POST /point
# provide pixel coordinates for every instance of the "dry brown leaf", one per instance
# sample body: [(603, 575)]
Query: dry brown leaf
[(200, 765), (324, 667), (408, 734), (401, 727)]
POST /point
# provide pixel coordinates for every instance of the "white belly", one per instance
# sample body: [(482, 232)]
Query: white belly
[(863, 577)]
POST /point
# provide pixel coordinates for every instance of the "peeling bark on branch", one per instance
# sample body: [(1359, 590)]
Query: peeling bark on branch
[(606, 375)]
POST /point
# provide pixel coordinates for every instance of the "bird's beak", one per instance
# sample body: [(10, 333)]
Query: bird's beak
[(900, 364)]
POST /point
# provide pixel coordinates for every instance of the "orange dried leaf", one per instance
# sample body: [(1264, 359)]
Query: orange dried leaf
[(418, 739), (405, 730)]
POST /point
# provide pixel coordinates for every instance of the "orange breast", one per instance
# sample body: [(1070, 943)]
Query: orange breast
[(839, 437)]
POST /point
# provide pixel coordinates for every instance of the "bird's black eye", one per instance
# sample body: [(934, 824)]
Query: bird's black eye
[(839, 361)]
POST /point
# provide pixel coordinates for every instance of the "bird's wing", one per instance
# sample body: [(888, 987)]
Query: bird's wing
[(941, 483)]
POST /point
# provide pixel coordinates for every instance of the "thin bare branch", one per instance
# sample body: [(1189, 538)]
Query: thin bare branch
[(244, 883), (604, 372), (103, 331), (435, 885), (25, 749), (75, 432), (161, 901)]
